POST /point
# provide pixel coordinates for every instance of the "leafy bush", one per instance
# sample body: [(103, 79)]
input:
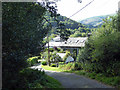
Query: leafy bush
[(106, 52), (61, 63), (54, 57), (39, 57), (53, 65), (77, 66), (59, 50), (51, 49), (37, 79), (32, 61), (44, 62), (31, 75), (101, 52), (69, 66), (67, 54)]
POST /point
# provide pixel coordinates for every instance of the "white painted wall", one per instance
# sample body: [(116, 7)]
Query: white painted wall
[(69, 59)]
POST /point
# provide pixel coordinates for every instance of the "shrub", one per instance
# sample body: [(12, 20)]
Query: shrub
[(62, 66), (61, 63), (77, 66), (101, 52), (54, 57), (32, 61), (67, 54), (69, 66), (51, 49), (44, 62), (30, 78), (53, 65), (39, 57)]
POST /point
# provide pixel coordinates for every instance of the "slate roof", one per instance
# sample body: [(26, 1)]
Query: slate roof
[(71, 42), (75, 42)]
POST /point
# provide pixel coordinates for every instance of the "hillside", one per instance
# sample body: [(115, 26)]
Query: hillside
[(94, 22), (70, 24)]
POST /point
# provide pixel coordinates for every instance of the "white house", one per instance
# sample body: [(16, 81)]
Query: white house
[(71, 43)]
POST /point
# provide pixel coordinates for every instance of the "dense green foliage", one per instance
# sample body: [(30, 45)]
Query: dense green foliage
[(23, 33), (101, 52), (66, 27), (21, 37), (66, 56), (44, 63), (54, 57), (30, 78), (70, 66), (53, 65), (32, 60)]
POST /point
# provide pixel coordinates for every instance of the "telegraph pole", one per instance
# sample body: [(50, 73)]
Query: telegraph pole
[(48, 51), (50, 27)]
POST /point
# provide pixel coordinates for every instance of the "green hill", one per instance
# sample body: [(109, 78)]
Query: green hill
[(94, 22), (71, 25), (67, 22)]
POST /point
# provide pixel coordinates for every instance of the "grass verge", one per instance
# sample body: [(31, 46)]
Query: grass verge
[(52, 68), (113, 81), (52, 83)]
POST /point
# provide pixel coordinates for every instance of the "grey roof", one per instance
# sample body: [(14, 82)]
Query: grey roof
[(75, 42), (54, 44), (71, 42)]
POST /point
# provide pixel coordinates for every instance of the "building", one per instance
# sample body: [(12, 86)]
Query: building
[(69, 58), (73, 43)]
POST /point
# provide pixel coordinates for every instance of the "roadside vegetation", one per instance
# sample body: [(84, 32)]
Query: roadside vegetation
[(23, 33), (75, 68), (100, 59)]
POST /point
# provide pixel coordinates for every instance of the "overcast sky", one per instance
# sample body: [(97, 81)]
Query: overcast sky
[(96, 8)]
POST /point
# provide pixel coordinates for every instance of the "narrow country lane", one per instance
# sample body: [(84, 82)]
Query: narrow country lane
[(71, 80)]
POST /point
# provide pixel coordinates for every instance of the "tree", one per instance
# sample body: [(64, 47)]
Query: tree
[(63, 32), (101, 52), (23, 33)]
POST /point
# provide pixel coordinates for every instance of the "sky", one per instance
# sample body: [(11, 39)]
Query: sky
[(96, 8)]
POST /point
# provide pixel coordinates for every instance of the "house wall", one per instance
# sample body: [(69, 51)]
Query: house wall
[(72, 49)]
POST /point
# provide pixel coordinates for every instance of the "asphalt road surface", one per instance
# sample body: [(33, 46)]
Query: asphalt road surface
[(71, 80)]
